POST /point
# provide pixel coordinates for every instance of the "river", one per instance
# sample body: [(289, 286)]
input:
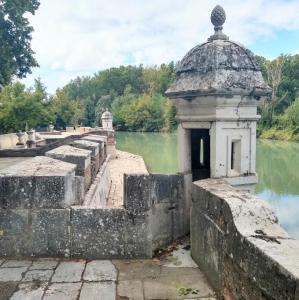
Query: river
[(277, 168)]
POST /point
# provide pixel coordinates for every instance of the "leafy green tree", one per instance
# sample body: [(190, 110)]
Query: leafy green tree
[(158, 79), (16, 55), (169, 117), (21, 108), (67, 112)]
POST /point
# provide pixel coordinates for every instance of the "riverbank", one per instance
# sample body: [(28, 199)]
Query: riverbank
[(280, 135)]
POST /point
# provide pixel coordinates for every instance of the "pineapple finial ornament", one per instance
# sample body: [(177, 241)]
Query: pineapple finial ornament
[(218, 18)]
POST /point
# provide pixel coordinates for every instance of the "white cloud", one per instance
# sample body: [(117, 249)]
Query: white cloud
[(75, 37)]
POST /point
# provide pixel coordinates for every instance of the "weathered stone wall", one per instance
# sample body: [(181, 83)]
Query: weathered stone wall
[(98, 192), (51, 143), (237, 241), (41, 212), (161, 198)]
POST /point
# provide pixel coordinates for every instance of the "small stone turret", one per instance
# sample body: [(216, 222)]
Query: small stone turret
[(107, 120), (216, 90)]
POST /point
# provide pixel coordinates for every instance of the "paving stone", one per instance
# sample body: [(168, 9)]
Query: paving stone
[(16, 263), (30, 291), (44, 264), (38, 275), (63, 291), (6, 289), (136, 269), (100, 270), (12, 274), (98, 290), (130, 289), (165, 287), (69, 271), (1, 261)]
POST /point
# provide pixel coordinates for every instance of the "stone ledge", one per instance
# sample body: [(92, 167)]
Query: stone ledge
[(80, 157), (40, 182), (98, 192), (237, 241)]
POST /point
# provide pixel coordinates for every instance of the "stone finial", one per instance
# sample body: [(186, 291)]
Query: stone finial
[(218, 18)]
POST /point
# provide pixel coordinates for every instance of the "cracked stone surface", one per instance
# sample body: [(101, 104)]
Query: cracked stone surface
[(100, 270), (69, 271), (44, 264), (41, 275), (92, 291), (63, 291), (138, 279), (32, 291)]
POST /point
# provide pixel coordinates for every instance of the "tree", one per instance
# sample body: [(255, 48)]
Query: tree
[(21, 108), (169, 117), (68, 112), (274, 77), (16, 55)]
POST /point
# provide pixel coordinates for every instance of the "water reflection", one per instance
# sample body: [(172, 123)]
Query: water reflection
[(277, 167), (158, 150)]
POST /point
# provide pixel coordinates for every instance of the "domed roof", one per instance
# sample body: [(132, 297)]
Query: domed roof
[(218, 67), (107, 114)]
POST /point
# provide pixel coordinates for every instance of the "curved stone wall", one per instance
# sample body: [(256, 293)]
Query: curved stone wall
[(238, 243)]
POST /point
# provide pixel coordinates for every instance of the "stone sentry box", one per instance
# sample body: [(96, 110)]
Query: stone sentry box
[(216, 91)]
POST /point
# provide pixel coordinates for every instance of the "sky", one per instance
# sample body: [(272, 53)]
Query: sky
[(80, 37)]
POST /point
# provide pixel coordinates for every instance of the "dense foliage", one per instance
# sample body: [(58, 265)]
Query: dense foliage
[(281, 110), (16, 55), (22, 109), (133, 94)]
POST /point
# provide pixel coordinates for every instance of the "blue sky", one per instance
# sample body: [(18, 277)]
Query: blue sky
[(74, 37)]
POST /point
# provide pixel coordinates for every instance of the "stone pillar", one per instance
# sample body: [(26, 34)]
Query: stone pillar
[(184, 167), (184, 150)]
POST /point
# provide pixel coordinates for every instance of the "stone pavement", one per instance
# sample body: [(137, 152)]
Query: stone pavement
[(60, 279), (124, 163)]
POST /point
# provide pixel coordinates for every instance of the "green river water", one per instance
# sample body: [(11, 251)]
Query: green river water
[(277, 168)]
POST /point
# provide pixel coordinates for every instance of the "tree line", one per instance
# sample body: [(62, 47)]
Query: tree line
[(134, 94)]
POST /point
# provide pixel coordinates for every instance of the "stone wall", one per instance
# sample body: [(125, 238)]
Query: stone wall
[(161, 198), (45, 212), (237, 241)]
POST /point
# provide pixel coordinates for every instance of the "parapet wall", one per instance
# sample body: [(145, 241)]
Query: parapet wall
[(237, 241), (45, 209), (161, 199)]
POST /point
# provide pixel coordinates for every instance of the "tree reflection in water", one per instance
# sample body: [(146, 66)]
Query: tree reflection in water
[(278, 171), (277, 167)]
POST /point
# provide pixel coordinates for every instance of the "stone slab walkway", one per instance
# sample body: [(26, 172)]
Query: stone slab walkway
[(60, 279), (124, 163)]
